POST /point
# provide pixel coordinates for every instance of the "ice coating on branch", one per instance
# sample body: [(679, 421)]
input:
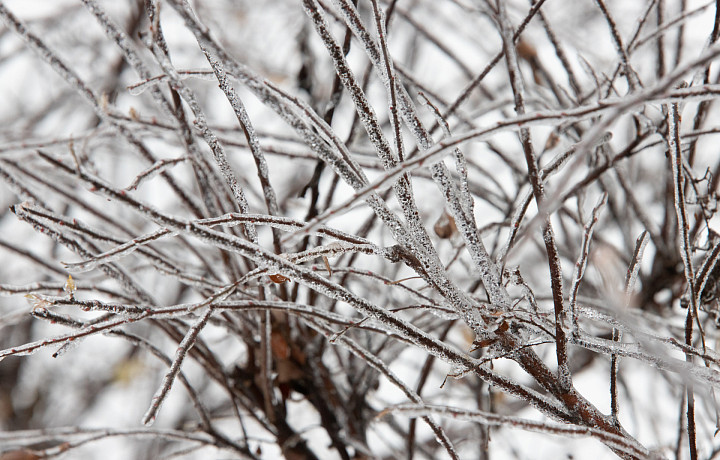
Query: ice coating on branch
[(298, 115), (674, 147), (248, 129), (65, 341), (140, 87), (185, 345), (364, 109), (581, 264), (494, 419), (212, 141), (118, 252), (488, 270), (446, 313), (66, 347), (315, 281), (384, 72), (21, 351), (420, 242), (47, 222), (634, 269), (460, 162)]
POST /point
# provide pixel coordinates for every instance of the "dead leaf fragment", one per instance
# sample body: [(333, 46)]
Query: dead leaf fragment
[(278, 278)]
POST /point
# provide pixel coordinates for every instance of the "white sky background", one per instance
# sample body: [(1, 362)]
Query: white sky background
[(264, 36)]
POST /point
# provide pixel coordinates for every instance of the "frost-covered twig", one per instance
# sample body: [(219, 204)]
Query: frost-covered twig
[(582, 261)]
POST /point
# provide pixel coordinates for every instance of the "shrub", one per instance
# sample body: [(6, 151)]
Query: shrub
[(359, 229)]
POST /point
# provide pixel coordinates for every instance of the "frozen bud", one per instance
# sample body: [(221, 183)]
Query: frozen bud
[(445, 226), (70, 287), (37, 302), (526, 51)]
